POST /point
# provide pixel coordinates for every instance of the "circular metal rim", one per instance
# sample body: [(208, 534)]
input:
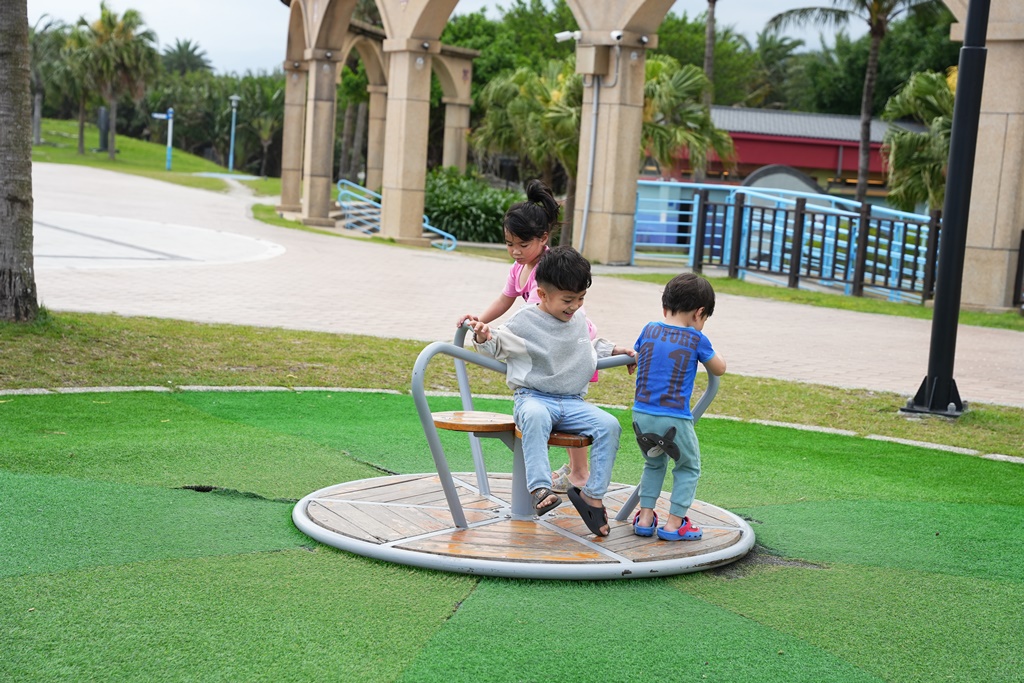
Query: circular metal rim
[(518, 569)]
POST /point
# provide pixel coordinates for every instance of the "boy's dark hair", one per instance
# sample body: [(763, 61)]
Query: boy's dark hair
[(537, 216), (688, 292), (563, 268)]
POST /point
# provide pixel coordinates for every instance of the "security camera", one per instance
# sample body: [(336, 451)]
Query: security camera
[(616, 35)]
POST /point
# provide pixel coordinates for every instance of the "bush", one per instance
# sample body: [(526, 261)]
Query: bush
[(466, 206)]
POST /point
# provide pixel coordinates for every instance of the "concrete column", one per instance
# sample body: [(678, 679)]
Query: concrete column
[(607, 236), (318, 157), (292, 136), (375, 137), (997, 195), (456, 126), (405, 144)]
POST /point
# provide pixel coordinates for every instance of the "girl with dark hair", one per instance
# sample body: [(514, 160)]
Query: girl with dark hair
[(528, 226)]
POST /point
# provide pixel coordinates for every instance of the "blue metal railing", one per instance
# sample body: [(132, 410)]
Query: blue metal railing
[(360, 210), (832, 241)]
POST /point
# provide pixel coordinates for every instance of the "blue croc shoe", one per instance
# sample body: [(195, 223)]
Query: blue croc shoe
[(644, 530), (687, 532)]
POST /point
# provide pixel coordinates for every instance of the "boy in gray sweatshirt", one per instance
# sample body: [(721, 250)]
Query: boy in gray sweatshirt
[(551, 360)]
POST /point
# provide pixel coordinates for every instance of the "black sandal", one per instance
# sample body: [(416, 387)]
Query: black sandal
[(593, 517), (539, 496)]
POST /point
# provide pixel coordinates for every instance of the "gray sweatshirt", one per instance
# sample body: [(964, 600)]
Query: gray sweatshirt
[(545, 353)]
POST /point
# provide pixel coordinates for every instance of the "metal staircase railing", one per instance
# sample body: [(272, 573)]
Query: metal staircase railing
[(360, 210)]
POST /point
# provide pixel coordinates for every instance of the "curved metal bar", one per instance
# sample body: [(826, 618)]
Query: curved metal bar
[(433, 440), (467, 404)]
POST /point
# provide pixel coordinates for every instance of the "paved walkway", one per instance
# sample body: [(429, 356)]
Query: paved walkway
[(107, 242)]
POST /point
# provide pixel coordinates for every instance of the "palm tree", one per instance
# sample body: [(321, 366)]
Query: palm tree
[(879, 15), (917, 160), (73, 74), (674, 117), (510, 125), (45, 39), (122, 60), (264, 106), (775, 58), (185, 56), (18, 300), (561, 96), (709, 51)]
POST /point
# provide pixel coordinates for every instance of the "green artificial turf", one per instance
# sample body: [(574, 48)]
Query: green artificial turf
[(296, 615), (155, 439), (61, 523), (901, 625), (948, 538), (613, 631), (876, 560)]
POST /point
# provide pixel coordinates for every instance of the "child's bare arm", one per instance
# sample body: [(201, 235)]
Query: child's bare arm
[(497, 308), (481, 332), (623, 351), (716, 365)]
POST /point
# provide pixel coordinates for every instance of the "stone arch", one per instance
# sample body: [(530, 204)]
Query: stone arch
[(298, 38), (454, 70), (293, 135), (331, 28), (367, 41)]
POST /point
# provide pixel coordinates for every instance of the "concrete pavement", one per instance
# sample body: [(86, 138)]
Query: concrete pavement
[(108, 242)]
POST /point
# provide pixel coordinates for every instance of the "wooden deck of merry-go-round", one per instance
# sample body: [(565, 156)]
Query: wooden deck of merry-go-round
[(405, 519)]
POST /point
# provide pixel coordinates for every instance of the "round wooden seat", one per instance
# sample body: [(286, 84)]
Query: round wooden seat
[(563, 439), (482, 421), (473, 421)]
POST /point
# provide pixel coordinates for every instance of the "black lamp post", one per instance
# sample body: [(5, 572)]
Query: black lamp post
[(938, 393)]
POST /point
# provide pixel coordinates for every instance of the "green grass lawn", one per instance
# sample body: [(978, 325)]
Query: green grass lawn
[(147, 536), (137, 157)]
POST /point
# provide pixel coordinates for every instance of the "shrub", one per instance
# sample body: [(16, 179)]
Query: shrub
[(466, 206)]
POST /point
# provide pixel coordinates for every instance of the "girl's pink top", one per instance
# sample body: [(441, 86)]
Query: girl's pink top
[(528, 290)]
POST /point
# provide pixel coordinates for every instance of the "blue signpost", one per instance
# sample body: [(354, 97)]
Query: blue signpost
[(169, 117), (234, 112)]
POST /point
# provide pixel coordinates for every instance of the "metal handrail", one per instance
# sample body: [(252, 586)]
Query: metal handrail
[(462, 356), (370, 224)]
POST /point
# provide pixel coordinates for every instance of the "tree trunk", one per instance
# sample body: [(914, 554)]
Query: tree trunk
[(709, 53), (81, 126), (867, 97), (37, 119), (355, 163), (18, 300), (112, 138), (569, 210), (346, 139), (263, 161)]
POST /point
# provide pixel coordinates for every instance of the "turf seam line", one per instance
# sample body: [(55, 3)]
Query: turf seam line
[(448, 394)]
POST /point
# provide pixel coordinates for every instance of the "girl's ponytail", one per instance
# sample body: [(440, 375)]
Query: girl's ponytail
[(536, 217)]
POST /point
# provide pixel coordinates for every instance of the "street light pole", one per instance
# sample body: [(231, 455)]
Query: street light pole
[(234, 113), (938, 392)]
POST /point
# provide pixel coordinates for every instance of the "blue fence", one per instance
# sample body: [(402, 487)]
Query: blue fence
[(799, 236), (360, 210)]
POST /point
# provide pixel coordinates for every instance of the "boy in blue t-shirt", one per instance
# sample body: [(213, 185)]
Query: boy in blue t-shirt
[(667, 356)]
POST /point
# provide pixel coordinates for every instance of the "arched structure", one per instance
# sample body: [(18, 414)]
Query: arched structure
[(611, 53), (321, 36)]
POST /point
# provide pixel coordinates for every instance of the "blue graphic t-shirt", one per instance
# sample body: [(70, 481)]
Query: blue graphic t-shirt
[(666, 358)]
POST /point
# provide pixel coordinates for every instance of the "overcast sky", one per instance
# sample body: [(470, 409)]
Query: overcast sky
[(244, 35)]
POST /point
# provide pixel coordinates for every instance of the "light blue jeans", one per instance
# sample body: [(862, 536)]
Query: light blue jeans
[(538, 414), (686, 470)]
